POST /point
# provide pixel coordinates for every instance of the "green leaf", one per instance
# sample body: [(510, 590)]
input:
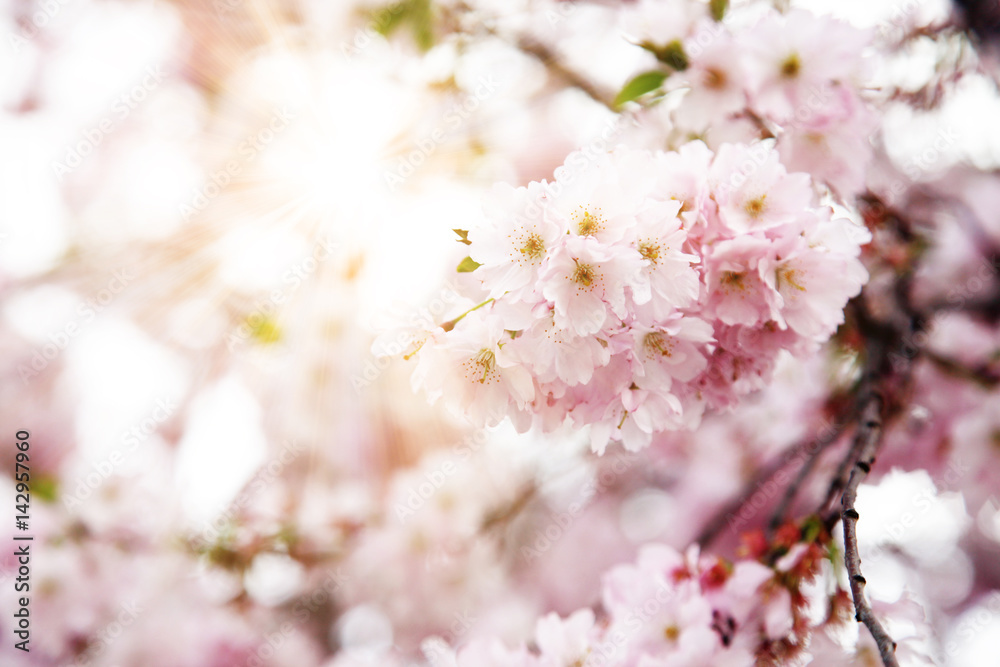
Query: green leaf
[(386, 20), (468, 265), (46, 488), (416, 14), (639, 86), (671, 54), (463, 236), (811, 529), (423, 24), (718, 8)]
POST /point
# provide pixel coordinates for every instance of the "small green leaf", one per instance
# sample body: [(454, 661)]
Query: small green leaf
[(718, 8), (46, 488), (386, 19), (423, 25), (415, 13), (671, 54), (811, 529), (463, 236), (468, 265), (639, 86)]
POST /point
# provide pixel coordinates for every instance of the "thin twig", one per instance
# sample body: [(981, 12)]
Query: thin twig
[(839, 482), (867, 440), (557, 69), (982, 375), (763, 474), (822, 443)]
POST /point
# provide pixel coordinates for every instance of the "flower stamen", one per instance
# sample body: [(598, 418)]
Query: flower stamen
[(534, 247)]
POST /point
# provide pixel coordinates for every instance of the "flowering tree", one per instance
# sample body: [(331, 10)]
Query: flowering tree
[(712, 379)]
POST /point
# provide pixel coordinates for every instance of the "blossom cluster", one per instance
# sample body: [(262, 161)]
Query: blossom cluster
[(795, 76), (673, 608), (694, 249), (640, 288)]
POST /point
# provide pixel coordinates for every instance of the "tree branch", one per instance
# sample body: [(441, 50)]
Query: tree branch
[(809, 447), (558, 70), (781, 509), (867, 441), (981, 375)]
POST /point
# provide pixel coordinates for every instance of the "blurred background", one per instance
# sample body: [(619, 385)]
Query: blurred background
[(208, 212)]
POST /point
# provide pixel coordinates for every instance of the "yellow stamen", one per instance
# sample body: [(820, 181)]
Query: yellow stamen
[(790, 276), (589, 223), (486, 360), (755, 207), (791, 66), (534, 247), (650, 251), (584, 274)]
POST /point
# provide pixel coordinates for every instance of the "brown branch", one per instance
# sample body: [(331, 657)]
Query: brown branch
[(867, 441), (766, 129), (508, 512), (781, 509), (839, 482), (558, 70), (720, 519), (982, 375)]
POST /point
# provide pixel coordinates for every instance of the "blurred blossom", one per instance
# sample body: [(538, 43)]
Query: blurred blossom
[(643, 260)]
